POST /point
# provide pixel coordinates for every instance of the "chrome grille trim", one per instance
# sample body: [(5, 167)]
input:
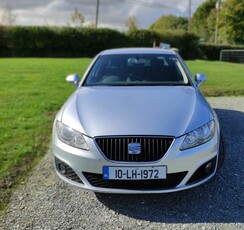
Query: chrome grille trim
[(115, 148)]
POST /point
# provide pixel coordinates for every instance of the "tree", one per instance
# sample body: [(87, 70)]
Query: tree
[(91, 25), (8, 17), (204, 19), (77, 18), (231, 19), (131, 23), (170, 22)]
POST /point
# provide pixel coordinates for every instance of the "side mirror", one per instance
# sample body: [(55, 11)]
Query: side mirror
[(200, 78), (74, 79)]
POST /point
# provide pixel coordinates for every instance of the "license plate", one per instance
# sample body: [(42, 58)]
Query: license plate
[(134, 173)]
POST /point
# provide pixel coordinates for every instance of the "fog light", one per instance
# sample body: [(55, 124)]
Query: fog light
[(62, 168), (208, 168)]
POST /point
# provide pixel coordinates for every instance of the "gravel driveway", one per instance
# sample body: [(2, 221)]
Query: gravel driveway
[(45, 202)]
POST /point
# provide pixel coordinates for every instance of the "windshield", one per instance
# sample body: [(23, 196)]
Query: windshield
[(136, 70)]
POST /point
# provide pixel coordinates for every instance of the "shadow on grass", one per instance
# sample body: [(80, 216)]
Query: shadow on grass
[(220, 200)]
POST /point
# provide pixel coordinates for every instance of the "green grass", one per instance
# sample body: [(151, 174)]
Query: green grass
[(33, 90), (224, 79)]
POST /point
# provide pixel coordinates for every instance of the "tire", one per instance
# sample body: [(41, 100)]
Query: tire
[(221, 156)]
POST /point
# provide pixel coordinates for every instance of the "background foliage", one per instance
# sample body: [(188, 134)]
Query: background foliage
[(170, 22), (203, 20), (43, 41), (85, 42), (212, 51), (230, 21)]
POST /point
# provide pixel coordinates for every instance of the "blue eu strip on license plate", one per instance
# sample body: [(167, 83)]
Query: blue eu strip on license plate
[(134, 173)]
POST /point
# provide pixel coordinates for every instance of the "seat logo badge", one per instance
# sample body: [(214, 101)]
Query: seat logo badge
[(134, 148)]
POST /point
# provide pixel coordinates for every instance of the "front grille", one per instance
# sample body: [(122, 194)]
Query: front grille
[(152, 148), (173, 179)]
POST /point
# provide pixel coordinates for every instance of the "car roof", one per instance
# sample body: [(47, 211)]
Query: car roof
[(137, 51)]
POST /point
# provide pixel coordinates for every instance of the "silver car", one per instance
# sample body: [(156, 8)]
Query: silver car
[(137, 123)]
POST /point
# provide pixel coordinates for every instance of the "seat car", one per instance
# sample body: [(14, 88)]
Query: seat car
[(137, 123)]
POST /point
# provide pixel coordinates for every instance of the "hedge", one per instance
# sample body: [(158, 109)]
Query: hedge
[(212, 52), (186, 43), (42, 41)]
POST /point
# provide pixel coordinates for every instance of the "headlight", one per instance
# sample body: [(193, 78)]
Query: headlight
[(70, 136), (199, 136)]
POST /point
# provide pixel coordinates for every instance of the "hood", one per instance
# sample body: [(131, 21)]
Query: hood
[(136, 110)]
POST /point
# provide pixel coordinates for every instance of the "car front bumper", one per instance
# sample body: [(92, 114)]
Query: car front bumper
[(185, 169)]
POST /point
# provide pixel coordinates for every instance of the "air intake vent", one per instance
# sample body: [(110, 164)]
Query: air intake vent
[(66, 171), (172, 181)]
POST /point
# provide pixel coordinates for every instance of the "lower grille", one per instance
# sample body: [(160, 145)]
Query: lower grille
[(150, 148), (172, 181), (66, 171)]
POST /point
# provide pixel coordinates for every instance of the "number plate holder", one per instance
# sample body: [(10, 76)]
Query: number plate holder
[(134, 173)]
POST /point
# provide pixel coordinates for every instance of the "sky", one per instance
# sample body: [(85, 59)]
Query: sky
[(112, 13)]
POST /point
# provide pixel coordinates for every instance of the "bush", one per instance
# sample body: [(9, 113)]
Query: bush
[(36, 41), (97, 40), (212, 52), (186, 43), (28, 42), (4, 44), (43, 41), (143, 38)]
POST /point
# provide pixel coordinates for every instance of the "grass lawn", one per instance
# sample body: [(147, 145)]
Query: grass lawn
[(224, 79), (33, 90)]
